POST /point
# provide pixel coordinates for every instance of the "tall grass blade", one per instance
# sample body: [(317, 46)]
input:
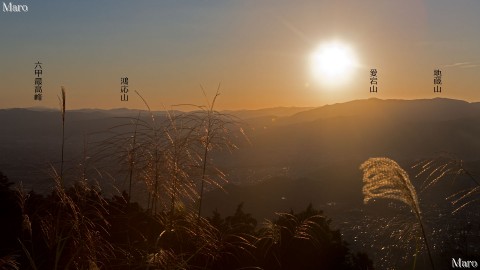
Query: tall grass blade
[(62, 107), (446, 166)]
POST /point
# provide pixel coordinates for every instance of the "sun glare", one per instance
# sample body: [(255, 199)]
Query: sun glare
[(332, 63)]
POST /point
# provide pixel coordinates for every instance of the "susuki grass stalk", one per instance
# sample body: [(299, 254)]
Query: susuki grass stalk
[(206, 147), (213, 132), (173, 158), (204, 165), (383, 178), (156, 159), (132, 159), (22, 198), (63, 133)]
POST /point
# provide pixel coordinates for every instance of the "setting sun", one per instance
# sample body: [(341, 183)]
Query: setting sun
[(332, 63)]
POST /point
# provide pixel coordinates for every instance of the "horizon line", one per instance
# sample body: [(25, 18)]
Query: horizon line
[(46, 108)]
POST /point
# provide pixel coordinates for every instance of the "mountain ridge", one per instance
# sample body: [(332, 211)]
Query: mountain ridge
[(356, 130)]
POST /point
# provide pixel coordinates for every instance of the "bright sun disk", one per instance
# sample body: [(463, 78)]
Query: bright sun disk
[(333, 63)]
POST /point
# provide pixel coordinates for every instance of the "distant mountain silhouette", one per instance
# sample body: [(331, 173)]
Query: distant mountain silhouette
[(268, 112), (357, 130), (414, 110), (297, 140)]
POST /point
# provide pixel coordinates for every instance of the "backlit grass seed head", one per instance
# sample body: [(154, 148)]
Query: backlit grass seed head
[(384, 178)]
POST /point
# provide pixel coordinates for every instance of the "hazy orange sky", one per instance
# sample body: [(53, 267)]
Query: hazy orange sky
[(259, 51)]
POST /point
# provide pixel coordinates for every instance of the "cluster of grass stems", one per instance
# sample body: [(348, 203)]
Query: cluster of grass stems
[(166, 159)]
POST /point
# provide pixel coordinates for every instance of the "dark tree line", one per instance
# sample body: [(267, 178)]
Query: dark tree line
[(78, 228)]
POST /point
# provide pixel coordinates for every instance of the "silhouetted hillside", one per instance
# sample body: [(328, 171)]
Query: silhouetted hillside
[(298, 143), (415, 110)]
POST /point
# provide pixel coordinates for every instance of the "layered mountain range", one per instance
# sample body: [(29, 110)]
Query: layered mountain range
[(319, 145)]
